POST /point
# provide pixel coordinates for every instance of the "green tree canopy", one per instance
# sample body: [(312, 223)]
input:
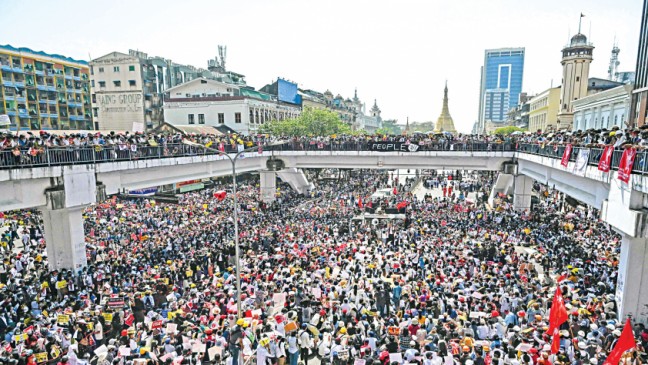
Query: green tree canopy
[(311, 122), (507, 130)]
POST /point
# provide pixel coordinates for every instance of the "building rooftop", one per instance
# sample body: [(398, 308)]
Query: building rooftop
[(8, 47)]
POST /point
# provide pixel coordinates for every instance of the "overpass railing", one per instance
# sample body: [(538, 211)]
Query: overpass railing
[(58, 156), (640, 165)]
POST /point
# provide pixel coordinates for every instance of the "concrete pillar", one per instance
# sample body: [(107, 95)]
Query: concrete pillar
[(64, 237), (268, 186), (523, 188), (632, 281)]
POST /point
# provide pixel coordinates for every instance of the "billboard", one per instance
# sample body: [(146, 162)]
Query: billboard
[(287, 92)]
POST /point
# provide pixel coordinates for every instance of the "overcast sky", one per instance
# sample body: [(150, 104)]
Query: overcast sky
[(398, 52)]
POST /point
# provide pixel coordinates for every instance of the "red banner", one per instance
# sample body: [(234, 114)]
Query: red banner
[(625, 165), (566, 155), (606, 159)]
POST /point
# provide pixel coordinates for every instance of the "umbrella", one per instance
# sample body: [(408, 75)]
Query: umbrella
[(516, 133)]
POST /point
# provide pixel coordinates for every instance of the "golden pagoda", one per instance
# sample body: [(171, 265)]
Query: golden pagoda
[(445, 123)]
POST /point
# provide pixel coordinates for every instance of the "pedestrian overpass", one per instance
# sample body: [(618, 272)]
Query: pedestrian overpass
[(62, 191)]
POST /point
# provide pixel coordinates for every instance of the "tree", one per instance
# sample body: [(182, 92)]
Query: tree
[(311, 122), (390, 126), (507, 130)]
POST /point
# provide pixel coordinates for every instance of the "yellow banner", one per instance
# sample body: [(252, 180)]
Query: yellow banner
[(108, 317), (41, 357), (63, 319)]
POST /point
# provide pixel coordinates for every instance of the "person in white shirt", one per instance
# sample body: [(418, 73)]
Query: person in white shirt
[(293, 348), (263, 352)]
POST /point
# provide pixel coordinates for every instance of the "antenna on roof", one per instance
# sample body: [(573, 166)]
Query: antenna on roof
[(222, 52)]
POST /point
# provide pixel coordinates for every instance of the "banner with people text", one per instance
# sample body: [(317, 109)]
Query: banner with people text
[(393, 147), (626, 163), (566, 155), (606, 159)]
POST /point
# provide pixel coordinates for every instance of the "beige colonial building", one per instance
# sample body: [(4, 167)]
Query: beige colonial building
[(543, 110)]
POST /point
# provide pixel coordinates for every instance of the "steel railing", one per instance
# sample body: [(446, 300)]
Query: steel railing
[(73, 155)]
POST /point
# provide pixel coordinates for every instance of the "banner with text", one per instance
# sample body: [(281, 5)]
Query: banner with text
[(581, 161), (566, 155), (606, 159), (393, 147), (626, 163)]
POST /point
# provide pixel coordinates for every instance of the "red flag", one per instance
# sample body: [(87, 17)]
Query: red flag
[(395, 191), (625, 343), (606, 159), (220, 195), (555, 341), (561, 278), (221, 147), (360, 202), (566, 155), (625, 165), (558, 313)]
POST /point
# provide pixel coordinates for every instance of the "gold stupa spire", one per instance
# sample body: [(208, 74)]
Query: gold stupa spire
[(445, 123)]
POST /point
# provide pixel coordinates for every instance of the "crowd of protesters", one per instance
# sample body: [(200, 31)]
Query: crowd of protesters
[(29, 148), (452, 282)]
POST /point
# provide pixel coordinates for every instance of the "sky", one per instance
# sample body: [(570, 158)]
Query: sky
[(397, 52)]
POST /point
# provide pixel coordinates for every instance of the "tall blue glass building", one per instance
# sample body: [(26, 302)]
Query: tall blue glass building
[(501, 84)]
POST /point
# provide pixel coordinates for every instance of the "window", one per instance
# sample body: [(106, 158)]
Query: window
[(94, 98), (577, 78), (191, 119), (95, 112), (92, 83), (102, 84), (101, 69), (131, 82), (131, 68), (117, 83), (201, 118), (116, 69), (237, 117), (221, 118)]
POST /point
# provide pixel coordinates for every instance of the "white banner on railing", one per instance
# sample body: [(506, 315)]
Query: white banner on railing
[(4, 120), (581, 162)]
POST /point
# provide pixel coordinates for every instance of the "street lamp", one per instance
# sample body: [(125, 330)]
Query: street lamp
[(235, 201)]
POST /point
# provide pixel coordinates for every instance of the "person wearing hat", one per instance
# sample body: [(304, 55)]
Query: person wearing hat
[(263, 353)]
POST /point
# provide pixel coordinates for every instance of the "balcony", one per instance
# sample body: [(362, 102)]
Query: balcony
[(6, 68), (53, 115), (69, 91), (51, 88), (18, 69), (20, 98), (42, 101), (40, 72), (76, 78), (68, 77), (8, 83), (19, 84), (41, 87), (51, 102), (11, 113)]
